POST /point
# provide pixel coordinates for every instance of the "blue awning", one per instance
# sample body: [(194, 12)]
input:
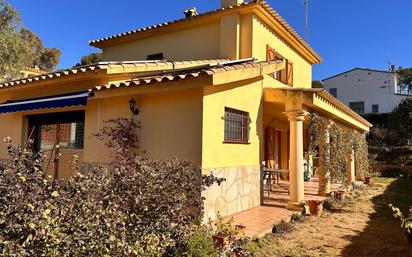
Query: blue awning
[(77, 99)]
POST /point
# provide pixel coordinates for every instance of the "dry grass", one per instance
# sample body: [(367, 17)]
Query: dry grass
[(361, 226)]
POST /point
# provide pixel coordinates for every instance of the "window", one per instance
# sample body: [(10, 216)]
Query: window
[(375, 108), (334, 92), (358, 107), (63, 128), (155, 57), (286, 75), (237, 125)]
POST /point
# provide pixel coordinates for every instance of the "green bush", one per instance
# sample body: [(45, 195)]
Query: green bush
[(282, 227), (392, 172), (296, 217), (200, 244)]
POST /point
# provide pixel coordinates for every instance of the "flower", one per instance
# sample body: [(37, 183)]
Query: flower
[(7, 140), (55, 194)]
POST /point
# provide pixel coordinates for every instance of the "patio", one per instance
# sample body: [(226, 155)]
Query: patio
[(260, 220)]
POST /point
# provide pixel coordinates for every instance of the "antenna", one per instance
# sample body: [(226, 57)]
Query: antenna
[(306, 4), (389, 63)]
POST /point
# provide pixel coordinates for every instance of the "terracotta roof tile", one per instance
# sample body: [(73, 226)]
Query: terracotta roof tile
[(126, 66), (184, 74)]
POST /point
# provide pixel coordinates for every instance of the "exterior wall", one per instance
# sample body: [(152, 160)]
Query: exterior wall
[(245, 97), (239, 164), (370, 87), (240, 191), (12, 126), (262, 36), (195, 43), (171, 124)]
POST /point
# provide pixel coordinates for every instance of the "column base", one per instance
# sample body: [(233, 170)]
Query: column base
[(295, 206)]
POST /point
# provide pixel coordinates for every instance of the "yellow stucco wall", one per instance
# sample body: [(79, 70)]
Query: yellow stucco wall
[(11, 126), (171, 124), (245, 96), (195, 43), (263, 35)]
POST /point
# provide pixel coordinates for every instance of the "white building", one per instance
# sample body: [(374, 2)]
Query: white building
[(366, 90)]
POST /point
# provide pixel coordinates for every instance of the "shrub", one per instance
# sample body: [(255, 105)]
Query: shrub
[(296, 217), (406, 221), (200, 244), (392, 172), (282, 227), (141, 207)]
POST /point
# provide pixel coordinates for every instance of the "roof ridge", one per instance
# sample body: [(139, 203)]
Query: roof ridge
[(93, 42), (353, 69)]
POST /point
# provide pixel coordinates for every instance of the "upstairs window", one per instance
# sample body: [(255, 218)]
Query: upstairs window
[(358, 107), (155, 57), (237, 126), (286, 75), (334, 92)]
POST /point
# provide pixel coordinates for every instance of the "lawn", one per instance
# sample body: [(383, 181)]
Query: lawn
[(362, 226)]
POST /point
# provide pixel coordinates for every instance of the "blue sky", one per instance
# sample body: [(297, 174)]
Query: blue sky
[(346, 33)]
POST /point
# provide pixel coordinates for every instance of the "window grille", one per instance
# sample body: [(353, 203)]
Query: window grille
[(237, 126)]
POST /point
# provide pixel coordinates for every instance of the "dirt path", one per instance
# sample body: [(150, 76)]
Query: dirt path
[(363, 227)]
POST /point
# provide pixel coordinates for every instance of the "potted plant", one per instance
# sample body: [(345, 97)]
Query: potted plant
[(368, 179), (339, 194), (315, 206), (225, 231), (406, 222)]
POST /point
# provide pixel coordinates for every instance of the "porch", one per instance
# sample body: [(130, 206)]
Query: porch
[(289, 132), (260, 220)]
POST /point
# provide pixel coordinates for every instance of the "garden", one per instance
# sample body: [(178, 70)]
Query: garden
[(137, 207), (143, 207)]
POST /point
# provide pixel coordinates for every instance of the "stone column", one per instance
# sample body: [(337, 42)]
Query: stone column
[(350, 167), (324, 151), (296, 183)]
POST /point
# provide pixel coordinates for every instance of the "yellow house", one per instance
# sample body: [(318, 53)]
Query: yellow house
[(227, 89)]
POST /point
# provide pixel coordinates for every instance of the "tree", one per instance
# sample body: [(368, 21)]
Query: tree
[(40, 56), (400, 123), (13, 51), (317, 84), (89, 59), (20, 48), (405, 79)]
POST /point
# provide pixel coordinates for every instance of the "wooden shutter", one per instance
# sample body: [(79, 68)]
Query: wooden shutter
[(270, 53), (289, 73)]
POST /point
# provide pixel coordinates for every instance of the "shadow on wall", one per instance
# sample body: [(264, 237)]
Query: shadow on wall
[(383, 236)]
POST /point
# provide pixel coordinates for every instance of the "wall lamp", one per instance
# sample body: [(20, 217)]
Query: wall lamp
[(133, 106)]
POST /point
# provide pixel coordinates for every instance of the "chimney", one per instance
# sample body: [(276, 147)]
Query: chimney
[(190, 12), (227, 3)]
